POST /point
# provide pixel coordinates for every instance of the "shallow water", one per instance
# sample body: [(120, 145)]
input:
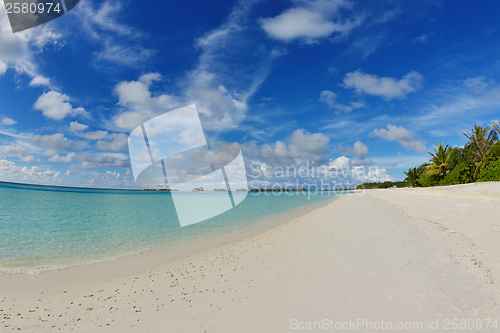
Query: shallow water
[(46, 228)]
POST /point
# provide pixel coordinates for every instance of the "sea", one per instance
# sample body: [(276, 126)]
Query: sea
[(46, 228)]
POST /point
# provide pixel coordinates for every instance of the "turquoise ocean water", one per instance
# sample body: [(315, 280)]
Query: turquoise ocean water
[(46, 228)]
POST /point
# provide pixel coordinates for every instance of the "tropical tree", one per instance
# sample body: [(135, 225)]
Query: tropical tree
[(483, 145), (412, 176), (439, 161), (495, 149)]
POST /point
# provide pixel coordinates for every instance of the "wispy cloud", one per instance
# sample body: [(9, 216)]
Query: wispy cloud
[(221, 100), (421, 39), (120, 44), (330, 98)]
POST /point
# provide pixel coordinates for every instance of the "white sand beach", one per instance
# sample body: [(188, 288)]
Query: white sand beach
[(398, 256)]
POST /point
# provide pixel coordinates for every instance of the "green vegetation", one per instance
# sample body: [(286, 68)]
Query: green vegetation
[(477, 161), (490, 173), (381, 185), (484, 146), (439, 162)]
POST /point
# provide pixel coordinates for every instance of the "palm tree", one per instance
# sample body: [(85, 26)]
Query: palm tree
[(412, 177), (439, 161), (483, 145), (495, 149)]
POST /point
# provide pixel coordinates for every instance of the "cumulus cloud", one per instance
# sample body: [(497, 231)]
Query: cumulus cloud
[(63, 159), (310, 21), (14, 150), (58, 141), (354, 173), (130, 120), (386, 87), (55, 105), (330, 97), (310, 143), (115, 142), (34, 175), (401, 135), (91, 161), (77, 127), (359, 150), (136, 94), (300, 148), (40, 80), (139, 103), (30, 159), (8, 122), (100, 161), (49, 153), (97, 135)]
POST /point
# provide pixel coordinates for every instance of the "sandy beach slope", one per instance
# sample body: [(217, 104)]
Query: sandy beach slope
[(392, 256)]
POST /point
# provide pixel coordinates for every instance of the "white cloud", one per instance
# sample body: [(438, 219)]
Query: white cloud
[(30, 159), (330, 97), (220, 99), (315, 143), (108, 142), (309, 21), (77, 127), (58, 141), (340, 163), (102, 26), (115, 142), (139, 103), (300, 148), (211, 86), (386, 87), (49, 153), (125, 55), (91, 161), (7, 122), (347, 169), (63, 159), (130, 120), (359, 150), (136, 94), (97, 135), (401, 135), (40, 80), (14, 150), (100, 161), (17, 50), (55, 105), (9, 171)]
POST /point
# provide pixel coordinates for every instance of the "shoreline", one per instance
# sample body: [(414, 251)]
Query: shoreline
[(130, 264), (391, 256)]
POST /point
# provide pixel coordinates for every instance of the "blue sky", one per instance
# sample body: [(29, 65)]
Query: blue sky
[(365, 85)]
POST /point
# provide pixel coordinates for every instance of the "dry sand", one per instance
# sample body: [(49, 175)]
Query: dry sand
[(397, 256)]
